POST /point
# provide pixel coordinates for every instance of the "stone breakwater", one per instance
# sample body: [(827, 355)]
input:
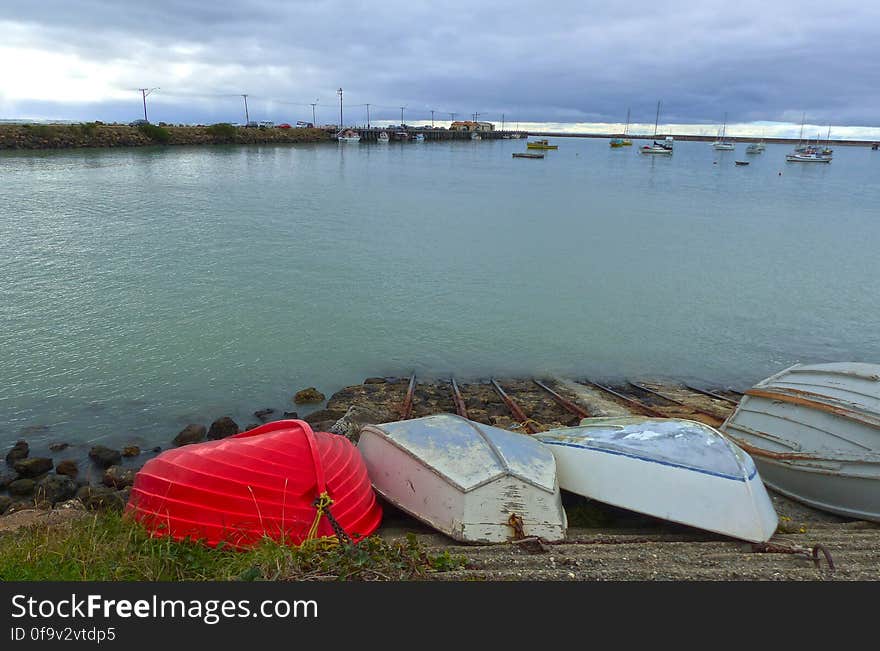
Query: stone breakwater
[(98, 135)]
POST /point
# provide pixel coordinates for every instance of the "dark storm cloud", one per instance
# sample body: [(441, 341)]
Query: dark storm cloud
[(560, 61)]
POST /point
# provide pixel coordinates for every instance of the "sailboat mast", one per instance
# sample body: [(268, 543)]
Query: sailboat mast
[(626, 128), (657, 119)]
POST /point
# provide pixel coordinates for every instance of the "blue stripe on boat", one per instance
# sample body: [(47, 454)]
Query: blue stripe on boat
[(662, 463)]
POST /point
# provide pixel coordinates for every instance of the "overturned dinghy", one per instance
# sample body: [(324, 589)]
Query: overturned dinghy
[(678, 470), (473, 482), (814, 431), (280, 480)]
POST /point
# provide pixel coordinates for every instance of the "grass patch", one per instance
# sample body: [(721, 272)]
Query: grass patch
[(112, 547), (222, 132), (155, 133)]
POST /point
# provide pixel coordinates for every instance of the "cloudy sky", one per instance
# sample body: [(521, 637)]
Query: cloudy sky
[(574, 64)]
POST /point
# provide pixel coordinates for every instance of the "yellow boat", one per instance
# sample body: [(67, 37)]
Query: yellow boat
[(541, 144)]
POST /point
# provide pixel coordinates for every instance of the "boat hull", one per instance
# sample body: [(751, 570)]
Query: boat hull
[(261, 483), (698, 479), (465, 479), (814, 430)]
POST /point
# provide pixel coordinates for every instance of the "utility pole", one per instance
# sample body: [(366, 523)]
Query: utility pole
[(314, 119), (401, 115), (144, 93), (339, 92), (452, 117), (368, 116), (247, 118), (432, 118), (476, 115), (502, 121)]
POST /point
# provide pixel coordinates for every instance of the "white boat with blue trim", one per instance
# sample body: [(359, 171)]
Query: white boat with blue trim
[(473, 482), (678, 470)]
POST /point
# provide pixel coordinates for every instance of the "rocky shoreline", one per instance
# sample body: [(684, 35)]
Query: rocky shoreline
[(602, 543), (99, 135)]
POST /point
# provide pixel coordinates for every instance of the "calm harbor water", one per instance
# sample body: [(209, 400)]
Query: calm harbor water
[(143, 289)]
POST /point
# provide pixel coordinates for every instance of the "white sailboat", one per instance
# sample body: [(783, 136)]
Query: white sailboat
[(663, 148), (722, 144), (805, 152)]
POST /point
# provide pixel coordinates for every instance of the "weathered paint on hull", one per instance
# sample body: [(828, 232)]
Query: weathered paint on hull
[(465, 479)]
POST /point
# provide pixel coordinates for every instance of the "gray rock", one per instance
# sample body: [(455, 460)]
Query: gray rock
[(6, 478), (104, 456), (291, 414), (58, 447), (190, 434), (22, 487), (375, 380), (56, 488), (308, 396), (263, 414), (118, 477), (18, 452), (33, 467), (222, 427), (67, 467), (356, 417), (97, 498), (5, 503), (131, 451)]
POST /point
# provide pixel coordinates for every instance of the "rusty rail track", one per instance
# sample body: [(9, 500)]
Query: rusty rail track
[(629, 400), (460, 406), (514, 408), (686, 405), (406, 409), (712, 394), (564, 402)]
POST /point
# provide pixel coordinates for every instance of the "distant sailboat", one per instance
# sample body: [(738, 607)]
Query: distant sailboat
[(664, 147), (623, 141), (722, 144)]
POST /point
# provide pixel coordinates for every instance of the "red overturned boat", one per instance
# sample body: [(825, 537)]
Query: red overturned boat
[(280, 480)]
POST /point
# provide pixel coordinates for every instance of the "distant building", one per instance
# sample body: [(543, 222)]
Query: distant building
[(470, 125)]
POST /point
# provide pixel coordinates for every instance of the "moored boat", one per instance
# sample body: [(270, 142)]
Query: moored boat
[(807, 157), (722, 144), (383, 138), (473, 482), (755, 148), (814, 433), (664, 147), (419, 137), (542, 143), (678, 470), (348, 135), (280, 480), (523, 154)]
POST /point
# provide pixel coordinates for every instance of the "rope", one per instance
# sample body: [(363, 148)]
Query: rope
[(322, 507)]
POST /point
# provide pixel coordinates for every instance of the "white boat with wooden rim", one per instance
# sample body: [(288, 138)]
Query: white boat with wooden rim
[(679, 470), (814, 432), (473, 482)]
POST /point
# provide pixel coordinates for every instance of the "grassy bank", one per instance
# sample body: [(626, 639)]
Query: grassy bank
[(112, 547), (96, 134)]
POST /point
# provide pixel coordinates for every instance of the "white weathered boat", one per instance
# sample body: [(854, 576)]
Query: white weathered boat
[(383, 138), (814, 432), (678, 470), (473, 482)]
